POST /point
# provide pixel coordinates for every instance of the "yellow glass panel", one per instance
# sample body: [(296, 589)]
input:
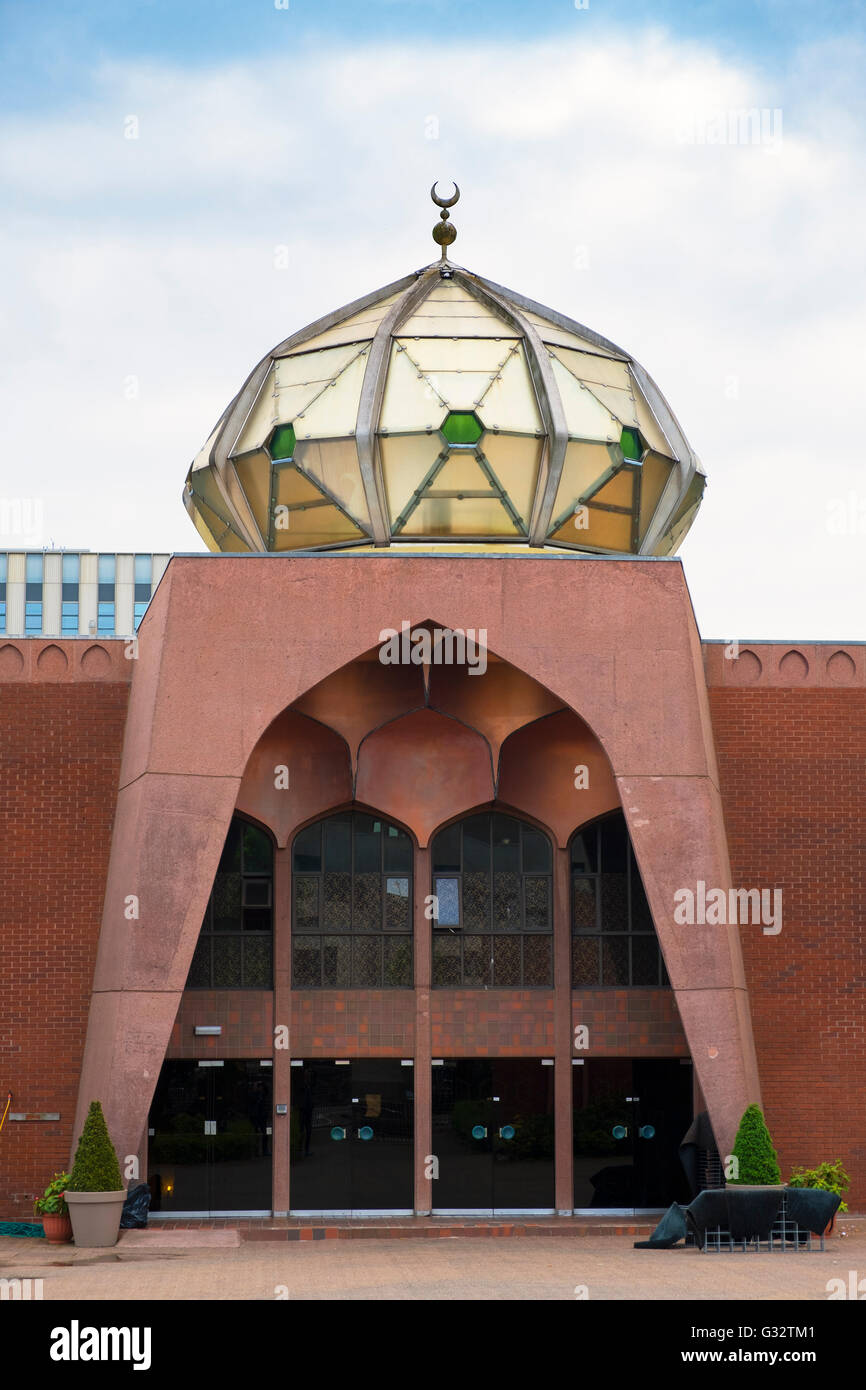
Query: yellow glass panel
[(290, 487), (411, 402), (583, 466), (224, 539), (685, 515), (334, 462), (406, 461), (205, 485), (618, 492), (202, 458), (655, 472), (605, 530), (515, 462), (550, 333), (254, 474), (466, 355), (199, 524), (509, 402), (335, 410), (353, 330), (604, 371), (448, 516), (461, 471), (649, 426), (313, 526), (585, 416)]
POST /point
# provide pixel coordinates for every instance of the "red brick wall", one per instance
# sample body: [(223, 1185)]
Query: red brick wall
[(505, 1023), (792, 765), (245, 1016), (630, 1022), (368, 1022), (60, 746)]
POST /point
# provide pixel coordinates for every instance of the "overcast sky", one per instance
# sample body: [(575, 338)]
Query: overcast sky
[(603, 172)]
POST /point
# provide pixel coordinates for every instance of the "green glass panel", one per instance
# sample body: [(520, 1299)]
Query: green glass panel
[(462, 427), (282, 445), (631, 444)]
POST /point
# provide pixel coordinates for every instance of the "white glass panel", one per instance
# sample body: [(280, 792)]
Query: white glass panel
[(410, 401), (605, 371), (305, 367), (448, 516), (334, 462), (584, 464), (202, 458), (254, 473), (586, 417), (406, 461), (335, 411), (551, 334), (649, 427), (620, 403), (459, 390), (509, 403), (359, 326), (260, 420), (466, 355), (515, 463)]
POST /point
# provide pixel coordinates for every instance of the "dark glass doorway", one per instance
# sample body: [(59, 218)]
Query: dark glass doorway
[(493, 1135), (209, 1138), (630, 1116), (352, 1136)]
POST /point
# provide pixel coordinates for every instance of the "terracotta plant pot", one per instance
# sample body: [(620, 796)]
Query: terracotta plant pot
[(57, 1227), (95, 1217)]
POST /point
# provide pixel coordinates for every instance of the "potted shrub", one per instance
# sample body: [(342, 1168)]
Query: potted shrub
[(95, 1192), (758, 1165), (54, 1212), (827, 1177)]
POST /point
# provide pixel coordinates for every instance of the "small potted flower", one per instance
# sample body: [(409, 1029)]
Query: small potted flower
[(95, 1193), (52, 1208)]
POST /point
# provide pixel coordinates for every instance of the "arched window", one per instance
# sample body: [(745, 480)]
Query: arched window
[(352, 895), (494, 924), (235, 945), (613, 935)]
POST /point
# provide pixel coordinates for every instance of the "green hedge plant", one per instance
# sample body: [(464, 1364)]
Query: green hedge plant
[(829, 1177), (51, 1202), (96, 1168), (758, 1164)]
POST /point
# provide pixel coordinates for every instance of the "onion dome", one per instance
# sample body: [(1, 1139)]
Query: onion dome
[(445, 408)]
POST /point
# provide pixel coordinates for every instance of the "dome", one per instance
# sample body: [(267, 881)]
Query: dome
[(446, 409)]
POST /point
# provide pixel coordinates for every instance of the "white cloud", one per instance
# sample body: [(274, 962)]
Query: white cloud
[(732, 272)]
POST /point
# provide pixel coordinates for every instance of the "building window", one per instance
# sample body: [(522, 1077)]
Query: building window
[(235, 945), (143, 581), (33, 595), (105, 595), (613, 935), (3, 564), (493, 889), (352, 904), (69, 595)]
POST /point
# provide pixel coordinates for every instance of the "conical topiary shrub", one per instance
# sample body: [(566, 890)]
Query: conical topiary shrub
[(753, 1148), (96, 1168)]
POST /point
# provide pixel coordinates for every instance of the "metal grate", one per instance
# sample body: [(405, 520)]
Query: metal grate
[(785, 1234)]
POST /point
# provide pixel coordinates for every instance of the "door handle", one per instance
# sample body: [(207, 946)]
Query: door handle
[(619, 1132), (479, 1132), (365, 1132), (507, 1132)]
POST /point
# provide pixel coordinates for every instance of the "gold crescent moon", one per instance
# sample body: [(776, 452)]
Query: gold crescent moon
[(444, 202)]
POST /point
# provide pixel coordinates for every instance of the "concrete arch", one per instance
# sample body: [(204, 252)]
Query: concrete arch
[(228, 647)]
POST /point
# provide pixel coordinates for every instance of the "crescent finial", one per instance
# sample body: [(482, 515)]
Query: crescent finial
[(444, 202)]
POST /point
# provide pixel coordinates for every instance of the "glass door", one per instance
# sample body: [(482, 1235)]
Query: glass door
[(629, 1118), (352, 1136), (209, 1138), (493, 1135)]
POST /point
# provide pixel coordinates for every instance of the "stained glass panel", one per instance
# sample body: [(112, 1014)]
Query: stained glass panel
[(538, 960)]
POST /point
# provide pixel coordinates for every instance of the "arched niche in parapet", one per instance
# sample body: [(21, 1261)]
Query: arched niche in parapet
[(299, 769), (556, 770), (495, 700), (423, 769), (362, 695)]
